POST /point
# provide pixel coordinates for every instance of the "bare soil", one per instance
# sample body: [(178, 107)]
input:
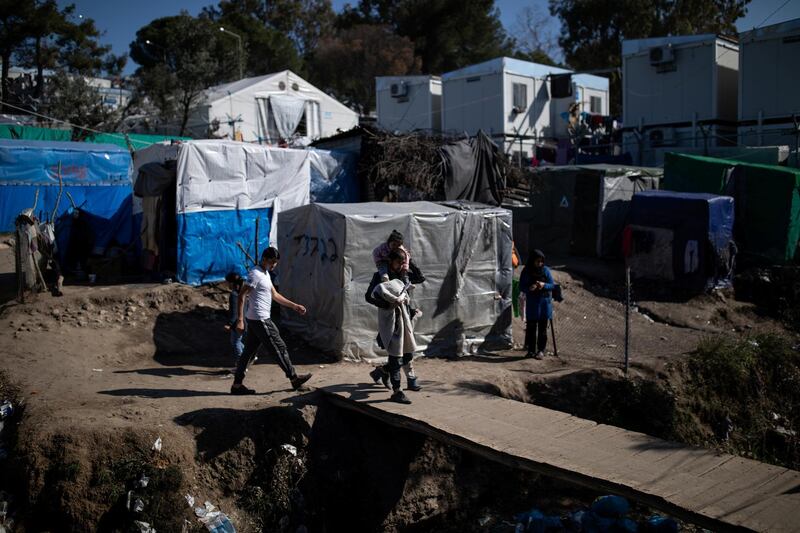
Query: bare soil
[(104, 371)]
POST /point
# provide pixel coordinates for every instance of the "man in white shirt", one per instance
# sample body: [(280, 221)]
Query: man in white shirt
[(260, 328)]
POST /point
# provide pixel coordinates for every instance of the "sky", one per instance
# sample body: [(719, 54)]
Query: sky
[(120, 20)]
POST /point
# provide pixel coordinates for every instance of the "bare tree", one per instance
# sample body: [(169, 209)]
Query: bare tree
[(534, 37)]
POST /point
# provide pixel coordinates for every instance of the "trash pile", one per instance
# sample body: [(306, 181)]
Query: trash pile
[(606, 514)]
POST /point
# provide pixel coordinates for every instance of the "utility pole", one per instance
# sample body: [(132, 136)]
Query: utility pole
[(238, 49)]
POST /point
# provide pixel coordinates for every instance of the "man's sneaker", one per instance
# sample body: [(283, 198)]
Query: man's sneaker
[(530, 354), (376, 374), (400, 397), (241, 390), (413, 384), (385, 378), (298, 381), (539, 355)]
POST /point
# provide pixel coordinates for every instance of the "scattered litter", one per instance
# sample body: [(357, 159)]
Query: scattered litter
[(143, 481), (189, 500), (289, 448), (484, 520), (322, 366), (201, 512), (753, 343), (157, 445), (144, 527), (97, 370), (6, 409), (215, 521), (663, 338), (138, 505)]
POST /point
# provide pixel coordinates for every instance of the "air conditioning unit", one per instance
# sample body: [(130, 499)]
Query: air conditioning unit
[(398, 90), (662, 137), (660, 55)]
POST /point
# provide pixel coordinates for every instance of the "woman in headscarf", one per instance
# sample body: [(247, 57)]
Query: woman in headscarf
[(538, 285)]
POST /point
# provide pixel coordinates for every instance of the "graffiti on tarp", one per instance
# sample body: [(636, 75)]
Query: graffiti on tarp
[(69, 171), (314, 245)]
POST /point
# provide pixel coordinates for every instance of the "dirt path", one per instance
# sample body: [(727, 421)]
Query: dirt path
[(143, 354), (153, 360)]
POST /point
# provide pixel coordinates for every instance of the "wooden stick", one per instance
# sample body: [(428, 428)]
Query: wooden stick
[(245, 253), (257, 220), (72, 201), (60, 191)]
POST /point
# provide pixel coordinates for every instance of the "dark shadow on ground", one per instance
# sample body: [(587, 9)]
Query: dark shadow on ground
[(170, 372), (197, 338), (162, 393), (222, 430)]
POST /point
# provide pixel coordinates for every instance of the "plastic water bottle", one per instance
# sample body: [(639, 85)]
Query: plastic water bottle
[(6, 409)]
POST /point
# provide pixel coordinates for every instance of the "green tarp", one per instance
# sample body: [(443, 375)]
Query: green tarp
[(696, 173), (767, 200), (32, 133)]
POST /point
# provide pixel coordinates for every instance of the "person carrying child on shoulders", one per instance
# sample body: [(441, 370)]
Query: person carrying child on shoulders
[(538, 285), (380, 255)]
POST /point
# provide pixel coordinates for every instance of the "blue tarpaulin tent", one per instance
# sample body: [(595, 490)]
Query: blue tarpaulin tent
[(97, 176), (222, 188), (682, 238)]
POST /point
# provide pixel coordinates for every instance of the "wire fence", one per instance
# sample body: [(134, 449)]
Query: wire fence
[(602, 322)]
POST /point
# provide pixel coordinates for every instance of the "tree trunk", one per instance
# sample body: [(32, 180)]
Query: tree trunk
[(6, 56), (187, 103), (39, 91)]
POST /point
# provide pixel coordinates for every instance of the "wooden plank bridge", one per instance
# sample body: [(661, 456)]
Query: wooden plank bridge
[(717, 491)]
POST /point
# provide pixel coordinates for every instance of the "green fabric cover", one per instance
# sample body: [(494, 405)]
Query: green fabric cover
[(32, 133), (767, 200), (696, 173), (768, 205)]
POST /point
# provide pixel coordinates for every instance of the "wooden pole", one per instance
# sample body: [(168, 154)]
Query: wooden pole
[(256, 248), (60, 192), (245, 253)]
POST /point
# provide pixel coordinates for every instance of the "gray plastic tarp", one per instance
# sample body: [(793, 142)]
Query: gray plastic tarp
[(464, 252)]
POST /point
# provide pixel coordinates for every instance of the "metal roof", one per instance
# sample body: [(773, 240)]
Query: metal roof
[(525, 68)]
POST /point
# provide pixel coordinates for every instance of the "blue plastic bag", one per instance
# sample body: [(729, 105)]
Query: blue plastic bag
[(611, 506)]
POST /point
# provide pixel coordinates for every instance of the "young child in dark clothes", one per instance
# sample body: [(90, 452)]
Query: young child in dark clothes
[(235, 282), (538, 285)]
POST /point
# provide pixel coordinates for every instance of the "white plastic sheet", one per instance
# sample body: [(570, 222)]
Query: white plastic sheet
[(287, 111), (226, 175)]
